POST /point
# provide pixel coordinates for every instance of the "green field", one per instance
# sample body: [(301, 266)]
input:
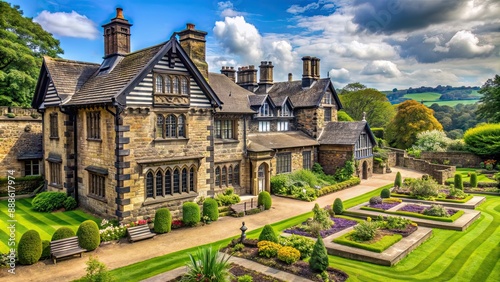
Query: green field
[(45, 223), (426, 96), (475, 93), (451, 103)]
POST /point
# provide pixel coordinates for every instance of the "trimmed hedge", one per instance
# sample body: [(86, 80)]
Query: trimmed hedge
[(338, 206), (483, 139), (48, 201), (458, 181), (464, 200), (211, 209), (63, 233), (45, 249), (338, 186), (378, 132), (163, 221), (29, 249), (190, 213), (265, 200), (473, 180), (398, 181), (381, 245), (385, 193), (70, 203), (268, 234), (88, 234)]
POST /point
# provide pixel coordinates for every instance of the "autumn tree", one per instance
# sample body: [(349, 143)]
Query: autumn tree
[(489, 104), (379, 110), (23, 43), (411, 118)]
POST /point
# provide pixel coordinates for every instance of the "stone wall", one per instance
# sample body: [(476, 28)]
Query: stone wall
[(459, 159), (19, 112), (306, 120), (391, 159), (439, 172), (297, 158), (369, 168), (332, 157)]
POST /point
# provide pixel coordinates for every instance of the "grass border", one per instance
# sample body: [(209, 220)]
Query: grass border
[(462, 201), (378, 247)]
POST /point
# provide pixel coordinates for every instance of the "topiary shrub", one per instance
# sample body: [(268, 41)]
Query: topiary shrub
[(70, 203), (375, 200), (458, 182), (473, 179), (288, 254), (319, 256), (88, 235), (385, 193), (338, 206), (398, 181), (211, 209), (163, 221), (365, 231), (48, 201), (63, 233), (190, 213), (268, 234), (264, 200), (29, 249), (45, 249)]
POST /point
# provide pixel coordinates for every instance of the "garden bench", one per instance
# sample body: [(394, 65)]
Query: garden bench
[(65, 247), (139, 232)]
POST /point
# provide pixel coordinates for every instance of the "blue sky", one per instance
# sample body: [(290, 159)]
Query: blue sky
[(380, 43)]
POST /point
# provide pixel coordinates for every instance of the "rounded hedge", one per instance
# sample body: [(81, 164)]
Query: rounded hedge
[(88, 235), (338, 206), (268, 234), (29, 249), (70, 203), (48, 201), (458, 181), (190, 213), (265, 200), (484, 139), (473, 180), (385, 193), (163, 221), (211, 209), (63, 233), (45, 249)]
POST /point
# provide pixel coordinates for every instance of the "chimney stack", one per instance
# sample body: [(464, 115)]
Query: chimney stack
[(315, 68), (247, 77), (307, 77), (117, 35), (290, 78), (266, 75), (229, 72), (194, 43)]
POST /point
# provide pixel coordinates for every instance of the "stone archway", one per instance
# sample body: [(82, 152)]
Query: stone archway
[(365, 170)]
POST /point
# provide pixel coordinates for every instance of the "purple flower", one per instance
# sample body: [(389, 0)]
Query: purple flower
[(451, 211), (384, 206), (412, 208), (339, 225)]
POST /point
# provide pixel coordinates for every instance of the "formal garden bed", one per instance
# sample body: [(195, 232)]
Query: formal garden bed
[(428, 189), (238, 271), (304, 229), (429, 212)]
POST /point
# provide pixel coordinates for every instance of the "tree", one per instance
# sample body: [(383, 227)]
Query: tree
[(352, 87), (490, 101), (23, 43), (343, 116), (376, 105), (411, 118), (319, 256), (432, 140)]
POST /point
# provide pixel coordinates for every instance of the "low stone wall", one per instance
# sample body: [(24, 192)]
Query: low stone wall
[(391, 159), (439, 172), (21, 186), (460, 159), (20, 112)]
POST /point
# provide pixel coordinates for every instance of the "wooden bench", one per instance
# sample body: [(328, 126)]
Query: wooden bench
[(139, 232), (64, 248)]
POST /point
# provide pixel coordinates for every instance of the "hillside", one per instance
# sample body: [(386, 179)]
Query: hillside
[(442, 95)]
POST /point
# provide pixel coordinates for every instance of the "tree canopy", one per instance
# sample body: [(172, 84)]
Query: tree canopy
[(379, 110), (351, 87), (23, 43), (484, 139), (411, 118), (490, 101)]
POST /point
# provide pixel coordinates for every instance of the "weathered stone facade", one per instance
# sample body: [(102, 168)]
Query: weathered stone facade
[(332, 157)]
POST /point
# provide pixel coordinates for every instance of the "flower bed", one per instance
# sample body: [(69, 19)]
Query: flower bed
[(383, 206), (450, 200), (379, 244), (339, 225), (414, 210), (237, 271)]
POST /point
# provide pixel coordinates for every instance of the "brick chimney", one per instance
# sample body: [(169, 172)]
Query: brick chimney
[(194, 43), (266, 75), (247, 77), (117, 35), (307, 77), (229, 72)]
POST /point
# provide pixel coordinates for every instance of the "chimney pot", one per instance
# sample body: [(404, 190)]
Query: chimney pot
[(190, 26), (119, 13), (290, 78)]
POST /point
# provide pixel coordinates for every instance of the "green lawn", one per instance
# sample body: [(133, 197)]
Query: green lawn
[(426, 96), (45, 223), (465, 178), (451, 103)]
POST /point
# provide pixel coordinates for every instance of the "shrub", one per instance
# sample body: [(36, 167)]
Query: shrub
[(483, 139), (238, 247), (227, 198), (343, 116), (245, 278), (346, 172), (45, 249), (338, 186), (88, 234), (457, 193), (398, 181), (288, 254), (473, 179), (211, 209), (163, 221), (385, 193), (375, 201), (63, 233), (279, 184), (338, 206), (70, 203), (190, 213), (97, 271), (319, 256), (322, 217), (396, 222), (207, 264), (306, 176), (301, 243), (432, 140), (424, 188), (317, 168), (365, 231), (29, 249), (436, 210), (268, 249), (458, 181), (48, 201), (268, 234), (264, 200)]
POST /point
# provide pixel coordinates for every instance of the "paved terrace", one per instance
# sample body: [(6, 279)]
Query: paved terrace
[(119, 255)]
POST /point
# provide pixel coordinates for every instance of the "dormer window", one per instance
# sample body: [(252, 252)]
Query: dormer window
[(264, 110), (285, 111)]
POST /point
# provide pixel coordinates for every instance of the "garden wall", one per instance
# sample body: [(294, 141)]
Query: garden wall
[(439, 172), (460, 159)]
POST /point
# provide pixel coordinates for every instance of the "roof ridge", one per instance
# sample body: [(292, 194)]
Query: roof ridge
[(69, 61), (145, 49)]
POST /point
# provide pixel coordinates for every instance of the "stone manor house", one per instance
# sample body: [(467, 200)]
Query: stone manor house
[(153, 128)]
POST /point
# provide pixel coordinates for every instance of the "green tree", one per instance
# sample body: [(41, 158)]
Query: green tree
[(490, 101), (319, 257), (484, 140), (351, 87), (23, 43), (411, 118), (375, 104), (343, 116)]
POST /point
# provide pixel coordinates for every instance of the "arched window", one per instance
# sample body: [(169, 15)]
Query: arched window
[(230, 176), (159, 126), (168, 182), (149, 185), (191, 179), (171, 126), (159, 184), (168, 85), (223, 176), (181, 125), (175, 85), (217, 176), (185, 86), (176, 181), (159, 84), (184, 180), (236, 177)]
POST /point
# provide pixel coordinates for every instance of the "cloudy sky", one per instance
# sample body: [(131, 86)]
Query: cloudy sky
[(381, 43)]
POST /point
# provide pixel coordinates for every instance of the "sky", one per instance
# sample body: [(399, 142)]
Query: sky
[(383, 44)]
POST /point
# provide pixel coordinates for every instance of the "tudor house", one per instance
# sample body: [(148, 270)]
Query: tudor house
[(153, 128)]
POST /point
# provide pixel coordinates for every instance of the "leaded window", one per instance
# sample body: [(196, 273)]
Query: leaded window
[(224, 129), (168, 182), (149, 185), (191, 179), (159, 184), (306, 160), (31, 167), (176, 181), (184, 180), (94, 125), (264, 126), (283, 163), (54, 130), (97, 186), (328, 114)]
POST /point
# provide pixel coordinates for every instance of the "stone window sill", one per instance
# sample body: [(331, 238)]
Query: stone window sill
[(95, 197), (161, 199), (54, 138), (94, 140), (167, 140), (54, 185), (225, 141)]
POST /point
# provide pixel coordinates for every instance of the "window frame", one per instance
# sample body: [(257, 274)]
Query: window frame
[(264, 126), (282, 125), (31, 164), (283, 162), (171, 84), (327, 117), (94, 125), (170, 126), (306, 159), (225, 129), (54, 126), (55, 174), (227, 175), (96, 185)]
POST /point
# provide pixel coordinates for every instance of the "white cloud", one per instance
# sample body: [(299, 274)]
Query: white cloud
[(465, 44), (339, 76), (226, 9), (67, 24), (296, 9), (383, 68)]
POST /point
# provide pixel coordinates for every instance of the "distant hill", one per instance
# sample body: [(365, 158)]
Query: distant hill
[(442, 95)]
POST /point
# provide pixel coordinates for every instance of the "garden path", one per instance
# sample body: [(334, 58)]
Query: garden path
[(119, 255)]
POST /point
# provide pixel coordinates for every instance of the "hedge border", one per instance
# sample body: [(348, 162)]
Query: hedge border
[(378, 247), (417, 215), (338, 186), (464, 200)]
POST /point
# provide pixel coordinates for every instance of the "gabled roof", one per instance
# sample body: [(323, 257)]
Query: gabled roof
[(261, 142), (282, 100), (234, 97), (345, 133), (303, 97), (259, 99)]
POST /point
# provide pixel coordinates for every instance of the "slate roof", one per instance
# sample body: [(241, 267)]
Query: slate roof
[(233, 96), (301, 97), (261, 142), (68, 76), (257, 100), (344, 133)]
